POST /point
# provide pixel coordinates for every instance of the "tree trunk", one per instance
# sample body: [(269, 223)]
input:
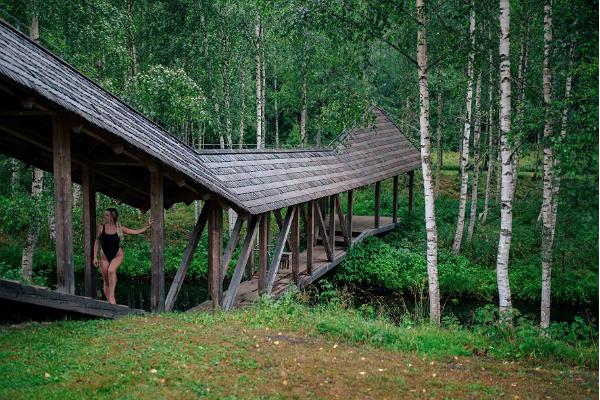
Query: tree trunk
[(476, 139), (232, 218), (520, 111), (438, 163), (15, 176), (242, 109), (432, 270), (505, 300), (464, 161), (263, 87), (276, 95), (547, 231), (304, 112), (131, 34), (226, 83), (34, 229), (259, 108), (213, 89), (491, 159)]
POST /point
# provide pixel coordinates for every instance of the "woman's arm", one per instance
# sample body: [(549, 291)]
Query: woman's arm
[(129, 231), (96, 245)]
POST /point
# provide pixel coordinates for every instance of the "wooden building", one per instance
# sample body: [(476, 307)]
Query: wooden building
[(54, 118)]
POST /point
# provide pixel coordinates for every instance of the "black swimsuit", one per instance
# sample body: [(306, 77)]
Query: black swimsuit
[(110, 244)]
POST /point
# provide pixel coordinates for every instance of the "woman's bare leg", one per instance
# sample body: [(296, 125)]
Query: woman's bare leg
[(112, 276), (104, 270)]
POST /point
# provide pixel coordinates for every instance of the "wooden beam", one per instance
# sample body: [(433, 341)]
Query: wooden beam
[(310, 236), (186, 260), (241, 263), (377, 204), (395, 200), (24, 113), (89, 230), (295, 239), (263, 257), (61, 143), (279, 221), (349, 216), (341, 220), (324, 236), (157, 211), (234, 239), (215, 238), (411, 184), (283, 235), (332, 224)]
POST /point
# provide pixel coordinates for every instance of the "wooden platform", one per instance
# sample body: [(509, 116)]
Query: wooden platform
[(41, 296), (362, 227)]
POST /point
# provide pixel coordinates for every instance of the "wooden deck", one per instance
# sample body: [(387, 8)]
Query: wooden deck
[(40, 296), (362, 227)]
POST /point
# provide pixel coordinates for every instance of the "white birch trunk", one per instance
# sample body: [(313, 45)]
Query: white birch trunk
[(34, 229), (476, 139), (226, 83), (259, 108), (547, 234), (520, 111), (505, 298), (15, 176), (76, 194), (464, 161), (242, 109), (438, 163), (432, 270), (276, 95), (304, 112), (232, 218), (491, 159), (263, 87)]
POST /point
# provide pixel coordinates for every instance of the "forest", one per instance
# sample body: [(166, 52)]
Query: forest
[(496, 265)]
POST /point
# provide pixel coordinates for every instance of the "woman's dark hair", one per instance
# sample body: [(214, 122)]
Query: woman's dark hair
[(114, 213)]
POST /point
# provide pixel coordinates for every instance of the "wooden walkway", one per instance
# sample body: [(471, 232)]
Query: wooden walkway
[(362, 227), (28, 294)]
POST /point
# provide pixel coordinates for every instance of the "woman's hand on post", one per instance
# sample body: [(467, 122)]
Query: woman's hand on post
[(96, 263), (150, 221)]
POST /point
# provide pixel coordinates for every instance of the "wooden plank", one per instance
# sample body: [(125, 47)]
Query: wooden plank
[(215, 243), (241, 263), (186, 259), (283, 235), (234, 239), (295, 239), (395, 199), (377, 204), (41, 296), (341, 220), (279, 220), (411, 184), (310, 236), (263, 259), (332, 223), (89, 230), (324, 235), (61, 145), (349, 217), (157, 211)]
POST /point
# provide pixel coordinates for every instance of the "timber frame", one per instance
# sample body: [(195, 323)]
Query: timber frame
[(54, 118)]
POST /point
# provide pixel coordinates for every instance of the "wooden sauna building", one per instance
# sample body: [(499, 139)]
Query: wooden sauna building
[(54, 118)]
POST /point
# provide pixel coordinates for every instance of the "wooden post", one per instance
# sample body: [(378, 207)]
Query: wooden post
[(186, 259), (234, 239), (61, 145), (411, 183), (325, 238), (283, 235), (157, 211), (310, 236), (263, 257), (349, 217), (395, 200), (295, 239), (89, 230), (215, 239), (332, 225), (377, 204)]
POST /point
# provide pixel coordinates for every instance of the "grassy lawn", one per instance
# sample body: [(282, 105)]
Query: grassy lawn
[(276, 351)]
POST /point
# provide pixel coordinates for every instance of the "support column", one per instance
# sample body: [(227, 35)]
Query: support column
[(411, 183), (310, 236), (61, 146), (295, 239), (89, 230), (349, 217), (377, 204), (395, 200), (263, 257), (332, 225), (157, 211), (215, 244)]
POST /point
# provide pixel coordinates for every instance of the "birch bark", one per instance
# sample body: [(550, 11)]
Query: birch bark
[(491, 159), (476, 139)]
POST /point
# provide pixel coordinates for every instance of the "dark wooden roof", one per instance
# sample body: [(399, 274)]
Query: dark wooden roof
[(254, 181)]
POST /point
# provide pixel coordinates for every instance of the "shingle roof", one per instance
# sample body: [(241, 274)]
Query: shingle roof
[(256, 181)]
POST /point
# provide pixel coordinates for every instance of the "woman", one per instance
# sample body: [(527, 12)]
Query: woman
[(109, 236)]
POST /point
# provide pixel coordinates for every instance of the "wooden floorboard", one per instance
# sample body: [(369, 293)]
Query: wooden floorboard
[(41, 296), (247, 293)]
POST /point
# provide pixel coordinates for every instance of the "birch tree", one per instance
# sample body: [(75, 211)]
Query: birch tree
[(547, 228), (464, 160), (476, 139), (432, 270), (505, 300), (438, 163), (258, 59)]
